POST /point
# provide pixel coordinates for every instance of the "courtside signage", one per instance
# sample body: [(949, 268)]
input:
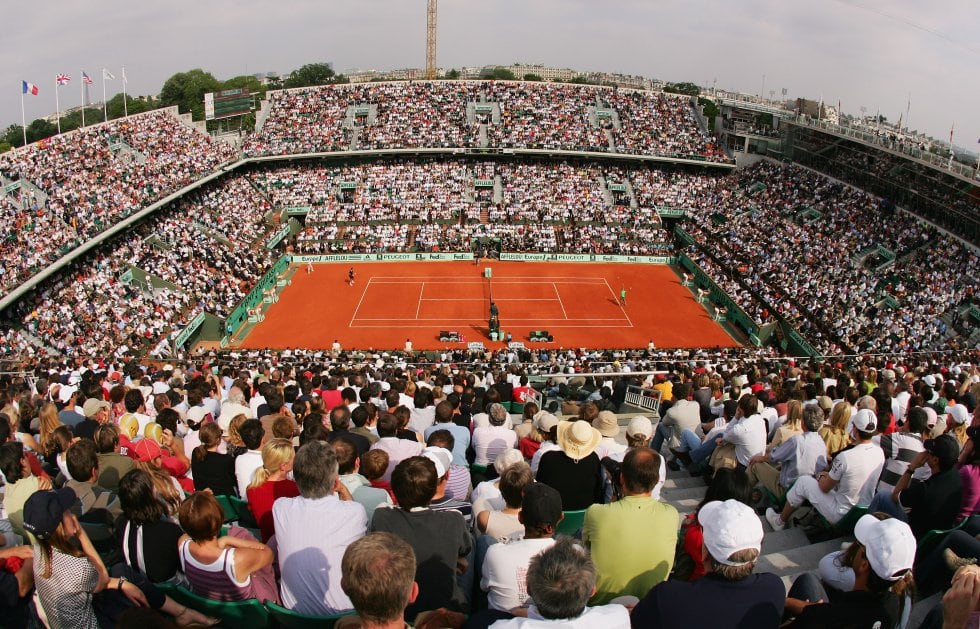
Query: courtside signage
[(383, 257), (580, 257)]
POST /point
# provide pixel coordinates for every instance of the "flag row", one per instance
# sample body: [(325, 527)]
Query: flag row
[(64, 79)]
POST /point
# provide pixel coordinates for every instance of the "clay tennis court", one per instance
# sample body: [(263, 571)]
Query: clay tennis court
[(577, 303)]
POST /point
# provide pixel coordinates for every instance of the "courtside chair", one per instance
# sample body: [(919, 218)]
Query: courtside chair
[(250, 614), (571, 524), (292, 620)]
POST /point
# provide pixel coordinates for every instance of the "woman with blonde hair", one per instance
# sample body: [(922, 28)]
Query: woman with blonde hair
[(49, 422), (791, 426), (13, 418), (270, 483), (835, 433), (235, 444)]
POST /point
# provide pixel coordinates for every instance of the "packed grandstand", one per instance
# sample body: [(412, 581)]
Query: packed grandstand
[(850, 310)]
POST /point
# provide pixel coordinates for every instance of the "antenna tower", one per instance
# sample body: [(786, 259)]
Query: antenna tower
[(430, 41)]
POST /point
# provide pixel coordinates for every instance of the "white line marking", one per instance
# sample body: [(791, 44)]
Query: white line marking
[(616, 299), (366, 286), (560, 303), (421, 292)]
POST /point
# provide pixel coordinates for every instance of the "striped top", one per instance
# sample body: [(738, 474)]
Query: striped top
[(215, 580)]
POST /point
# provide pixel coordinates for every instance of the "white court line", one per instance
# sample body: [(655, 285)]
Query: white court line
[(359, 301), (475, 320), (546, 322), (617, 301), (560, 302), (421, 292), (482, 299)]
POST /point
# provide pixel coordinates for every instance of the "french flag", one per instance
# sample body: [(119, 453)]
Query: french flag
[(28, 88)]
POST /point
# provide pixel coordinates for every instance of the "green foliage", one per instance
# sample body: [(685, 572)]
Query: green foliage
[(764, 120), (187, 90), (583, 80), (244, 82), (311, 74), (12, 136), (5, 146), (116, 109), (683, 88), (710, 109), (533, 77), (499, 74), (452, 74)]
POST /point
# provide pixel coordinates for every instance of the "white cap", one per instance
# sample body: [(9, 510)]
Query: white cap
[(640, 425), (958, 413), (65, 393), (442, 458), (864, 420), (160, 387), (545, 421), (729, 527), (888, 544), (197, 414), (930, 380)]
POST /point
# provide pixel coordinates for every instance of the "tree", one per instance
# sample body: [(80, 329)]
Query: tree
[(683, 88), (311, 74), (499, 74), (116, 109), (245, 82), (533, 77), (452, 75), (711, 110), (582, 80), (5, 146), (187, 90), (13, 136)]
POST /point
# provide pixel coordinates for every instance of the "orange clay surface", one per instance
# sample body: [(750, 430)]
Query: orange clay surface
[(578, 303)]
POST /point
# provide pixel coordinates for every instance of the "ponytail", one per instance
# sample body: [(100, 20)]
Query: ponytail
[(210, 434), (200, 453)]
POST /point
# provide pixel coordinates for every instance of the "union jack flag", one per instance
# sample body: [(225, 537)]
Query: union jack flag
[(62, 79)]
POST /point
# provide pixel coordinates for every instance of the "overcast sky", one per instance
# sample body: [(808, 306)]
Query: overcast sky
[(870, 53)]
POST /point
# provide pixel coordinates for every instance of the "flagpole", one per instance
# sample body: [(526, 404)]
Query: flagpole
[(57, 104), (23, 118), (105, 105), (125, 104), (81, 84)]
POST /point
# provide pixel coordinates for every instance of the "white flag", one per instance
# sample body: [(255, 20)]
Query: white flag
[(106, 75)]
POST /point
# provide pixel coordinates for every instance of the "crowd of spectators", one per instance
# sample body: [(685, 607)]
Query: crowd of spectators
[(776, 218), (434, 115), (93, 177), (361, 502)]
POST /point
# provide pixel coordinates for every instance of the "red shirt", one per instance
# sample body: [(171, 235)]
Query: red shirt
[(260, 501), (331, 398)]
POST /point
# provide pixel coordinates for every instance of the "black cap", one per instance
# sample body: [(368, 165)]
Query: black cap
[(541, 505), (44, 510), (945, 448)]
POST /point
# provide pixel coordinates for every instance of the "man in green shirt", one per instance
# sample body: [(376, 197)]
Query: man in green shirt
[(632, 540)]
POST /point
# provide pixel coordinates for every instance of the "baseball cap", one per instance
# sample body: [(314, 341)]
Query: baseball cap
[(93, 406), (945, 448), (606, 424), (888, 544), (146, 450), (864, 420), (639, 425), (44, 509), (545, 421), (442, 458), (65, 393), (958, 413), (729, 527), (541, 505), (198, 415)]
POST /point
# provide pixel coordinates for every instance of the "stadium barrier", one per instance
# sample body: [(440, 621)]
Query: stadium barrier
[(188, 331), (647, 399), (721, 299), (254, 298), (383, 257), (584, 257)]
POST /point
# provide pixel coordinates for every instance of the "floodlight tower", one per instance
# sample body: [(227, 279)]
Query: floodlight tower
[(430, 42)]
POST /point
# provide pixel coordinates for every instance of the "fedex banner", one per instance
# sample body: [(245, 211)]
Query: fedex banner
[(583, 257), (383, 257)]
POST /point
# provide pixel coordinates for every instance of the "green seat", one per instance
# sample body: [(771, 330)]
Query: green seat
[(845, 526), (290, 619), (516, 407), (231, 514), (250, 614), (480, 469), (245, 517), (571, 523), (935, 535)]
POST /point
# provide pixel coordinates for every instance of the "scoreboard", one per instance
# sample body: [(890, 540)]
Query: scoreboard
[(227, 103)]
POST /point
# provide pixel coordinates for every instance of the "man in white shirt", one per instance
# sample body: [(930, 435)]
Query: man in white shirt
[(246, 463), (561, 580), (505, 565), (398, 449), (851, 480), (313, 531), (747, 432), (684, 414)]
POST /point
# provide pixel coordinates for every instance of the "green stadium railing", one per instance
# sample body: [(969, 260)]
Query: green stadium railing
[(239, 315)]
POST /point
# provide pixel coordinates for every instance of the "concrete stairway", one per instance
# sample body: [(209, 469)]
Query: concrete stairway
[(787, 553)]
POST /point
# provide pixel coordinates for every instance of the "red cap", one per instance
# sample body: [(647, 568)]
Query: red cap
[(146, 450)]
